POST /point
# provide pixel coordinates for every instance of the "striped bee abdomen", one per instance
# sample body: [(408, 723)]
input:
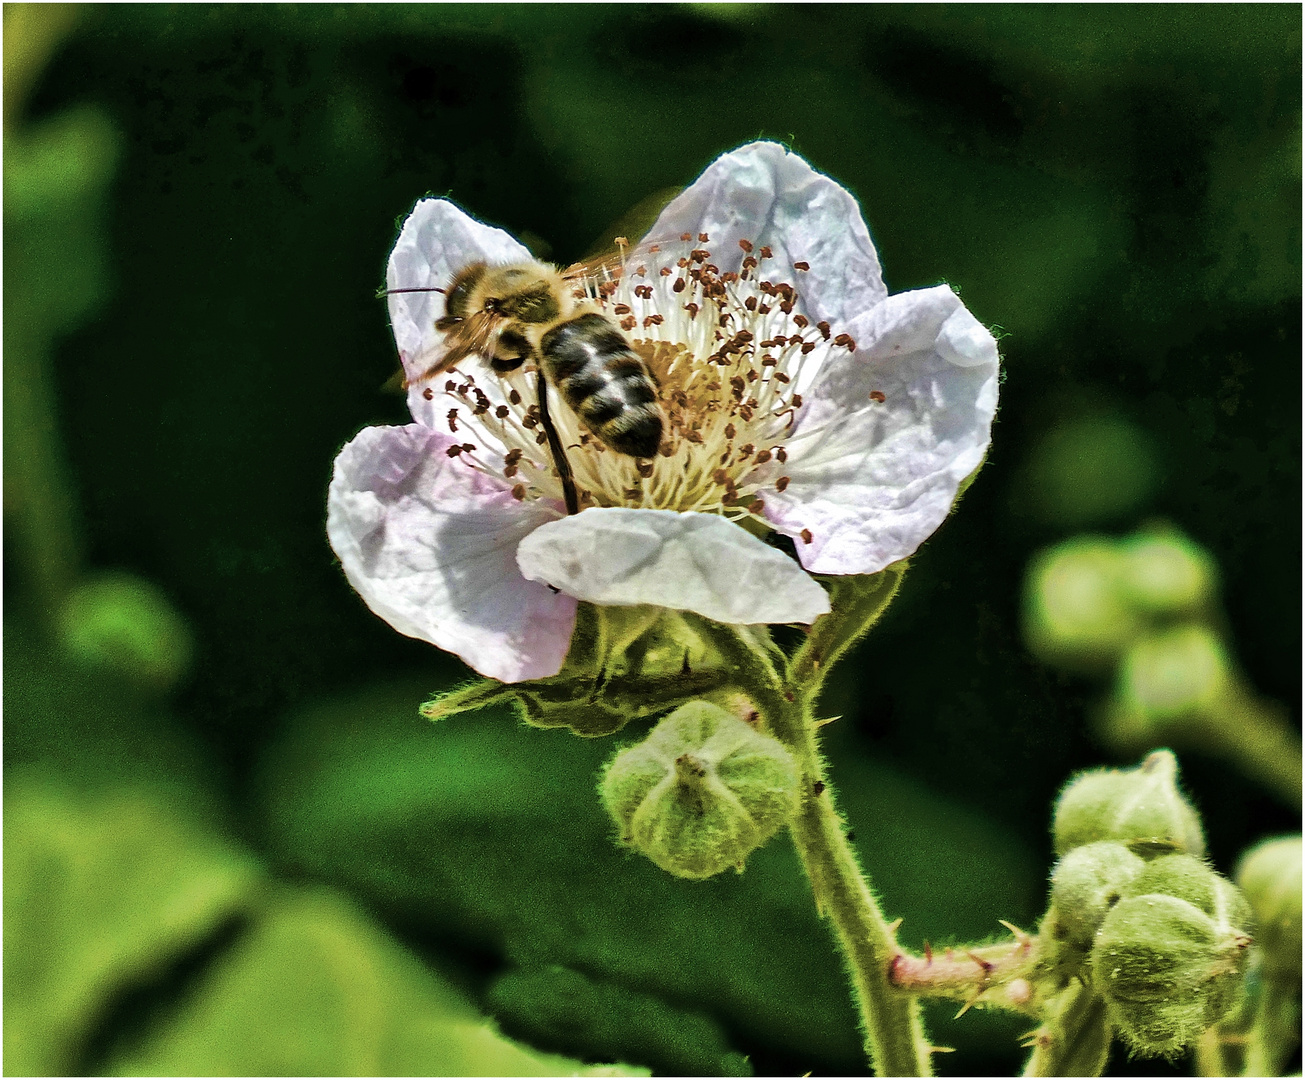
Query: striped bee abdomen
[(605, 382)]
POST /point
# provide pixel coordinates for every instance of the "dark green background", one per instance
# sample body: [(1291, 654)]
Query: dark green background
[(1116, 188)]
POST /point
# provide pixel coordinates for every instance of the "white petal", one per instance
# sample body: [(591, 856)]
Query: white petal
[(437, 240), (430, 544), (870, 481), (685, 561), (768, 196)]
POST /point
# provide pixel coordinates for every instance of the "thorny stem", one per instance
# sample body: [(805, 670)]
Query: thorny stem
[(894, 1035), (993, 974)]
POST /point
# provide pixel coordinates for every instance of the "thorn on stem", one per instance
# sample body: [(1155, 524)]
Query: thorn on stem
[(893, 926), (987, 965), (928, 954)]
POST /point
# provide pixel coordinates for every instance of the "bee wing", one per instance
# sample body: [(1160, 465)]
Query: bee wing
[(476, 335)]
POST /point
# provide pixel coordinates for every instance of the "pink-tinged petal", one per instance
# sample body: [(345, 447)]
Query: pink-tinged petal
[(767, 196), (437, 240), (889, 434), (685, 561), (430, 544)]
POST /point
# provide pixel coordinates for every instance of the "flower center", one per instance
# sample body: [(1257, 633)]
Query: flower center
[(731, 354)]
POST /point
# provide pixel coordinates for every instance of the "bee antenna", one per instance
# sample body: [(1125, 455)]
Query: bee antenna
[(381, 293)]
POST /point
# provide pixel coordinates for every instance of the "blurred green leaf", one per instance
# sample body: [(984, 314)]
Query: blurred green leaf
[(103, 890), (316, 989), (492, 835)]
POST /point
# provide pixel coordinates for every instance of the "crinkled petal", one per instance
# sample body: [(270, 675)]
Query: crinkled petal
[(686, 561), (765, 195), (430, 544), (869, 480), (437, 240)]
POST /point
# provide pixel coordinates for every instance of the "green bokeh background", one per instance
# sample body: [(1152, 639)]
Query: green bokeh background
[(199, 202)]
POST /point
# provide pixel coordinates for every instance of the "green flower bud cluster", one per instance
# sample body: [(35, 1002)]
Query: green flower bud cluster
[(1138, 914), (1088, 600), (702, 792)]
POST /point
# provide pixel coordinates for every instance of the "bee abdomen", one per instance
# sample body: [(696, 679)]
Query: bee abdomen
[(605, 382)]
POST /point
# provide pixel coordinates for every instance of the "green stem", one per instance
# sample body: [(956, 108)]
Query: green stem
[(1276, 1031), (894, 1035), (1075, 1040), (1255, 733)]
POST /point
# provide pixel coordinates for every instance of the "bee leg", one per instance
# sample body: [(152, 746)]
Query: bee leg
[(555, 446)]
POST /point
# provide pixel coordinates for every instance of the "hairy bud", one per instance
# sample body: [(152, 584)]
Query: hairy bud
[(1087, 883), (1166, 573), (1141, 808), (1270, 876), (702, 792), (1074, 615), (1169, 968)]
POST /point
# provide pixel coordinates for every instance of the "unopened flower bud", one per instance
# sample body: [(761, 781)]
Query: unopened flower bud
[(1167, 970), (702, 792), (1141, 808), (1179, 672), (1193, 880), (1166, 573), (1087, 883), (1074, 615), (1270, 876)]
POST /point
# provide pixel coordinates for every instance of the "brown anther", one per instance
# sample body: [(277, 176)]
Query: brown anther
[(767, 288), (781, 483), (678, 286), (652, 320), (750, 303), (711, 269), (797, 401), (781, 455), (877, 395), (502, 412), (806, 536), (698, 255), (453, 420), (621, 309), (702, 238), (749, 263), (686, 236), (629, 323), (645, 469), (802, 321), (510, 471), (721, 476), (620, 241), (665, 271), (746, 245), (801, 266), (514, 397), (644, 292), (763, 457), (766, 253), (746, 450), (692, 309), (641, 272), (845, 339), (468, 446), (745, 413), (453, 451), (752, 375), (823, 327), (666, 449), (769, 361), (757, 505), (781, 377), (764, 309), (519, 492), (786, 307), (693, 436), (730, 431), (541, 438), (451, 386), (808, 346), (428, 393)]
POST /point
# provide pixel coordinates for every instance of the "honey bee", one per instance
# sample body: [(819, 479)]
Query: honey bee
[(531, 311)]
